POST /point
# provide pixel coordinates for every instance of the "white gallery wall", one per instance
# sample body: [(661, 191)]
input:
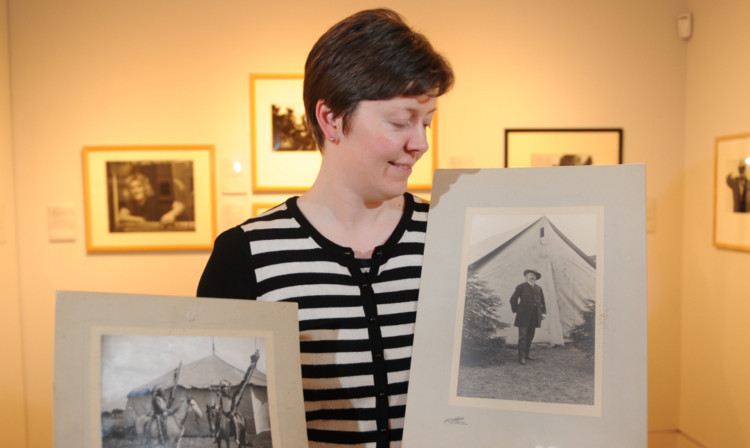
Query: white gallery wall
[(13, 412), (714, 390), (177, 72)]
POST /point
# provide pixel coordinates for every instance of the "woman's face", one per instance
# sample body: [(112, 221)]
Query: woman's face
[(385, 139), (137, 190)]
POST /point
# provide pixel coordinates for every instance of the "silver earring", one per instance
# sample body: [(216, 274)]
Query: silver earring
[(331, 139)]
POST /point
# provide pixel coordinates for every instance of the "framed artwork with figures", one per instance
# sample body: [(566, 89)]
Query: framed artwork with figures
[(149, 197), (283, 152), (732, 192), (537, 147)]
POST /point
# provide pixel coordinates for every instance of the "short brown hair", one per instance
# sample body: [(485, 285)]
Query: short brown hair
[(370, 55)]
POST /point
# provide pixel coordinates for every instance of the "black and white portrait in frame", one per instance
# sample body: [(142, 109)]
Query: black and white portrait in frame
[(732, 192), (151, 196), (527, 334)]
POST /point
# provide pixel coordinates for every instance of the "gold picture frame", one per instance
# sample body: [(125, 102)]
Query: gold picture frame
[(732, 192), (149, 198), (283, 154)]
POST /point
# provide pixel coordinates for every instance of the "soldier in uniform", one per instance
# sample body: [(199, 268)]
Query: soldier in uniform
[(527, 302)]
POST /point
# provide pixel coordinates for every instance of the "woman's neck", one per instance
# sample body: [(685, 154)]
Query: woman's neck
[(349, 220)]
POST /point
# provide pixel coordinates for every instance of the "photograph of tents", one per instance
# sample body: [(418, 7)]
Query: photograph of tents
[(185, 368), (215, 369), (583, 229), (500, 246)]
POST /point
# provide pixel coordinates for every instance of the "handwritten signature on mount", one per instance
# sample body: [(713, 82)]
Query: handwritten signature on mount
[(455, 421)]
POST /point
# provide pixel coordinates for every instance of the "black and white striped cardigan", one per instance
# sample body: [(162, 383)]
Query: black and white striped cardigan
[(356, 319)]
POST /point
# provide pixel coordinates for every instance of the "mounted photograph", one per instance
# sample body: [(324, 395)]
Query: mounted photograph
[(135, 371), (532, 325)]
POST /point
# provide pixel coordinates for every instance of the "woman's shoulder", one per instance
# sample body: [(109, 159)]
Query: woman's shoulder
[(238, 235), (229, 241), (285, 210), (416, 203), (416, 199)]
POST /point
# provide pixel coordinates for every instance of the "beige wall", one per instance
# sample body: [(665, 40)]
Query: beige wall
[(176, 72), (13, 410), (714, 391)]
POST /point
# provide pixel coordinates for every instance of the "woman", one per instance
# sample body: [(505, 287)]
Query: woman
[(140, 203), (349, 250)]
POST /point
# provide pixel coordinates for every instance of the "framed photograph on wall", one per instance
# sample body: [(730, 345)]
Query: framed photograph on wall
[(149, 198), (283, 152), (731, 195), (562, 147), (579, 378), (118, 357)]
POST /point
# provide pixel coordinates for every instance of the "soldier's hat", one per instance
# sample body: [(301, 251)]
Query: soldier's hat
[(536, 274)]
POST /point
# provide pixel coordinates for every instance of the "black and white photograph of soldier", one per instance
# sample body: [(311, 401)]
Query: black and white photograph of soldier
[(529, 307), (151, 196), (188, 391), (527, 303), (290, 130), (737, 182)]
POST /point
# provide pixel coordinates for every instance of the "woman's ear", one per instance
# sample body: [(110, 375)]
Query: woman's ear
[(329, 124)]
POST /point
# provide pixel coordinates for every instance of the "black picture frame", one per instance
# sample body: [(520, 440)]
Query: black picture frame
[(537, 147)]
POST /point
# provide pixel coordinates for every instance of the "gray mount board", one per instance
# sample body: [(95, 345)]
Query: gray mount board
[(613, 199), (86, 321)]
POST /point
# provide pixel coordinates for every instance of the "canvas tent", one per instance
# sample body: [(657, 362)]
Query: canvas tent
[(199, 380), (568, 276)]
